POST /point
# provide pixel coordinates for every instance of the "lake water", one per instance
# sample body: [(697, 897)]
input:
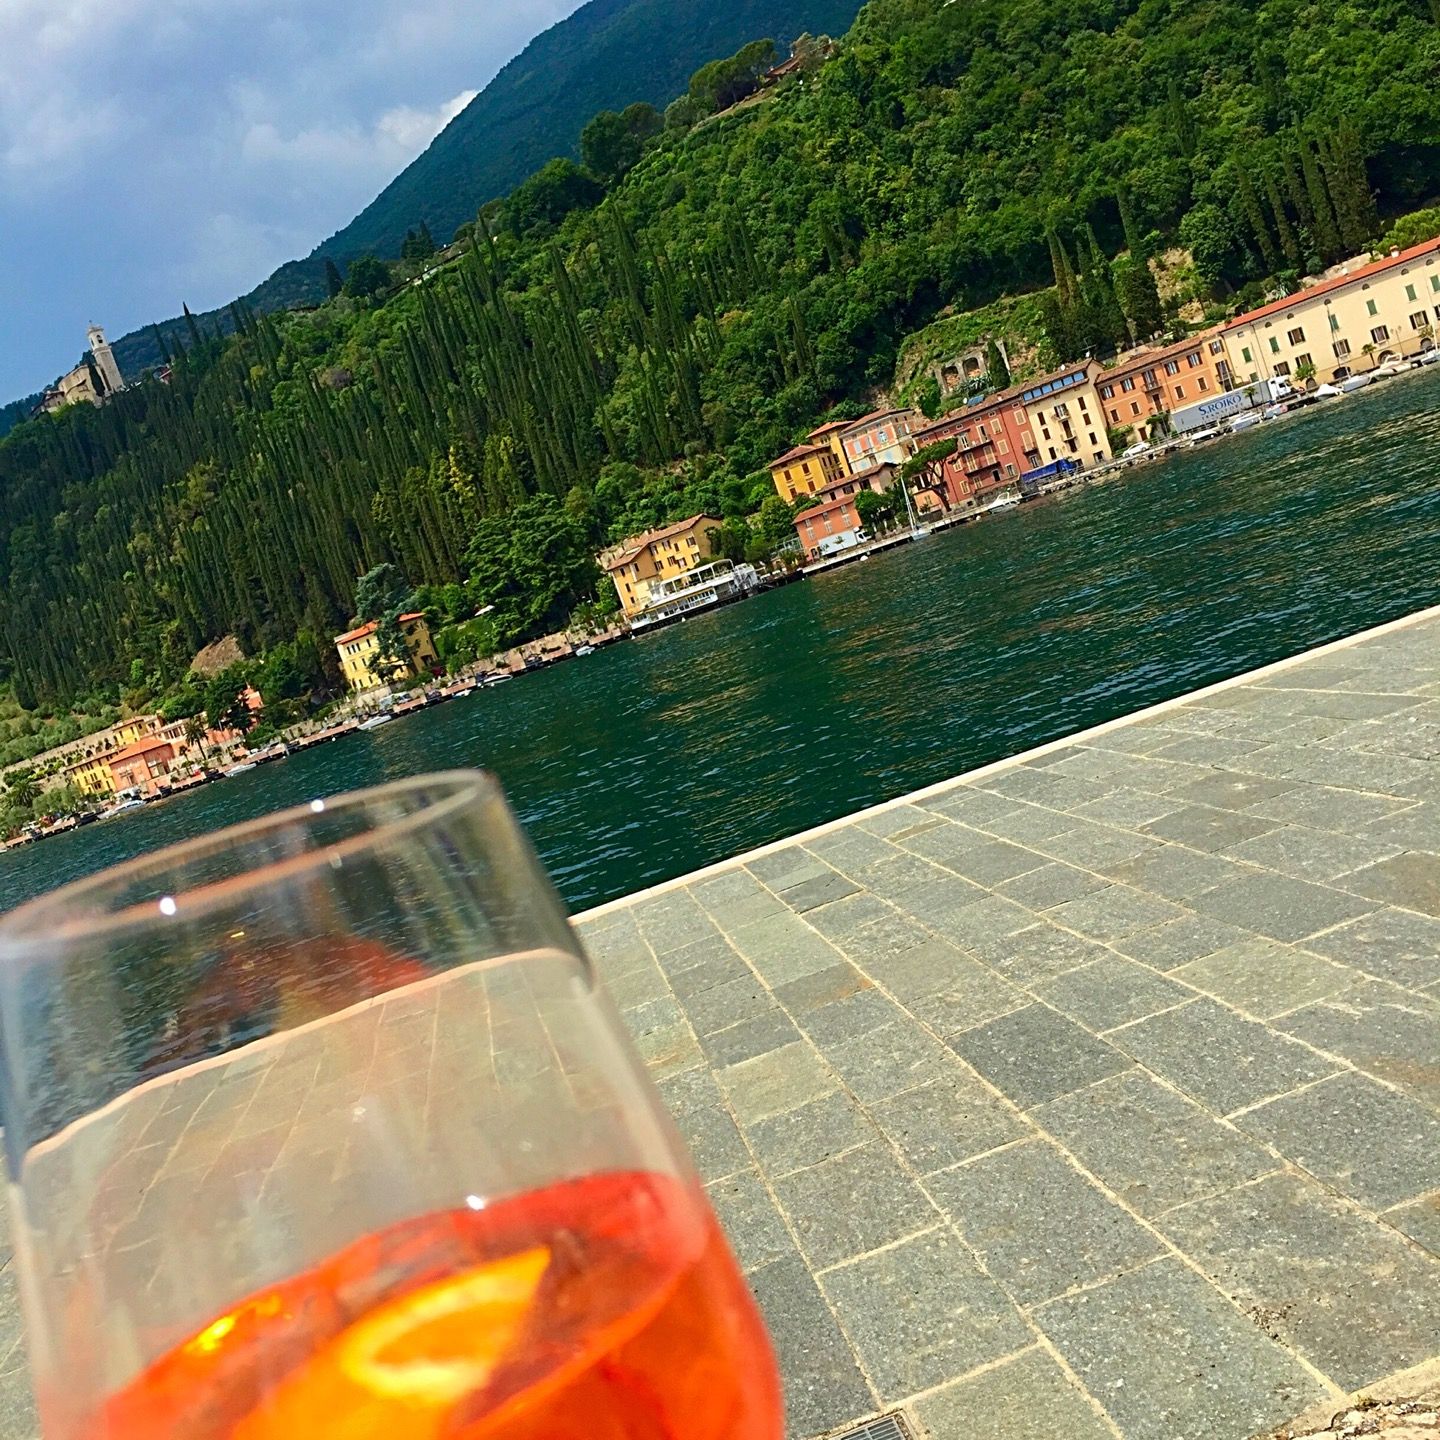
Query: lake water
[(657, 756)]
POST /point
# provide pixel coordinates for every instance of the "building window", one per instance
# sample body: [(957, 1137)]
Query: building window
[(1435, 283), (1296, 336), (1282, 367), (1334, 321), (1410, 293), (1128, 383), (1342, 349), (1172, 367), (1380, 334), (1246, 356), (1107, 392), (1371, 308), (1202, 383), (1134, 407), (1419, 320), (1274, 346)]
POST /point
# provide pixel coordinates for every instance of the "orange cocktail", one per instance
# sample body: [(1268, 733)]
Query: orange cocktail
[(605, 1307)]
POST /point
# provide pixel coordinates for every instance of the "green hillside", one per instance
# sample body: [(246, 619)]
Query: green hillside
[(616, 358), (608, 54)]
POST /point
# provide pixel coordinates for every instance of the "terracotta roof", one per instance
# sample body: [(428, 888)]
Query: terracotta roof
[(1143, 359), (874, 416), (365, 630), (1002, 398), (829, 427), (138, 748), (825, 508), (798, 453), (1338, 282), (634, 546)]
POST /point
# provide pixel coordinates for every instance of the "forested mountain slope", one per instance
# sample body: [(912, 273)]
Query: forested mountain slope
[(608, 54), (612, 364)]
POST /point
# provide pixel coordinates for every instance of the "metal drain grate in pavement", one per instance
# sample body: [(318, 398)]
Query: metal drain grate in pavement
[(887, 1427)]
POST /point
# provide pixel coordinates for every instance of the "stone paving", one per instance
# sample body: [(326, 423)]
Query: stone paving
[(1093, 1095), (1096, 1094)]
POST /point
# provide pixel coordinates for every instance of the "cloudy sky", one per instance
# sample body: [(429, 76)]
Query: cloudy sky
[(160, 151)]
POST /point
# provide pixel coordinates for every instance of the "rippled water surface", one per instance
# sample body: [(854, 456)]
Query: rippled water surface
[(654, 757)]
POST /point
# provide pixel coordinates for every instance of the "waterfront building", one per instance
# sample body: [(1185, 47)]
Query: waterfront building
[(645, 560), (829, 435), (360, 648), (995, 444), (828, 528), (1066, 414), (143, 765), (1154, 382), (880, 438), (1358, 319), (804, 470)]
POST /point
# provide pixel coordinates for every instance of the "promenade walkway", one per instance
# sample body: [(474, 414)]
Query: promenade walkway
[(1096, 1094)]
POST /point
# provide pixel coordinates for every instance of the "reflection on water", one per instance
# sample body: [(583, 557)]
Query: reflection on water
[(655, 757)]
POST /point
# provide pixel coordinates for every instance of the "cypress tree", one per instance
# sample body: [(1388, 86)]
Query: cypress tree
[(334, 281), (1349, 186), (1134, 240), (1254, 217), (1181, 122), (1289, 245), (1326, 231)]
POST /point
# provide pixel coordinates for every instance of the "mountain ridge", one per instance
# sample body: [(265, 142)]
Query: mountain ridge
[(604, 55)]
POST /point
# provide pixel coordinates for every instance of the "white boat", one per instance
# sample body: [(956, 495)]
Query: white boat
[(376, 721), (1355, 382), (496, 677), (1004, 502), (697, 590), (1199, 437), (920, 532), (1327, 392), (241, 767), (121, 808), (584, 650), (1244, 422), (1389, 369)]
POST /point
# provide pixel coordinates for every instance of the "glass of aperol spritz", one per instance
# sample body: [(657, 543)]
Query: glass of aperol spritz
[(320, 1129)]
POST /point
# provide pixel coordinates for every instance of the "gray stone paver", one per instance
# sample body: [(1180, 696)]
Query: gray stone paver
[(1098, 1094)]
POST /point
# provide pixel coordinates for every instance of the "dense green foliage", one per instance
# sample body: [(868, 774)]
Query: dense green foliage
[(627, 360)]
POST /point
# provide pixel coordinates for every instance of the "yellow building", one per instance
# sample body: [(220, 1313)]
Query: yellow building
[(91, 777), (360, 648), (832, 435), (1362, 317), (1067, 416), (806, 469), (658, 555)]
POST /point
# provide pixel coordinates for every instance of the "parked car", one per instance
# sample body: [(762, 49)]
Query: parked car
[(1131, 451)]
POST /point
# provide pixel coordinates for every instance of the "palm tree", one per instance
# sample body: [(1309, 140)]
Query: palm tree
[(22, 789), (196, 732)]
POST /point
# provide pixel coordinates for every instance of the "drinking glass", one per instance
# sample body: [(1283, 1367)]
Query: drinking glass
[(320, 1128)]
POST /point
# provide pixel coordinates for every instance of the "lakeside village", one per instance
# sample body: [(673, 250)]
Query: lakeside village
[(856, 488)]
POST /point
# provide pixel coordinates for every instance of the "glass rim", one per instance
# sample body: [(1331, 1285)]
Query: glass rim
[(60, 916)]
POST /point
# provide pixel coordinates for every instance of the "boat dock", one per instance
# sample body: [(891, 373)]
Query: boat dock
[(1092, 1094)]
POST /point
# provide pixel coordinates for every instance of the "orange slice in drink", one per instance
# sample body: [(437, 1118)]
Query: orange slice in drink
[(412, 1360)]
